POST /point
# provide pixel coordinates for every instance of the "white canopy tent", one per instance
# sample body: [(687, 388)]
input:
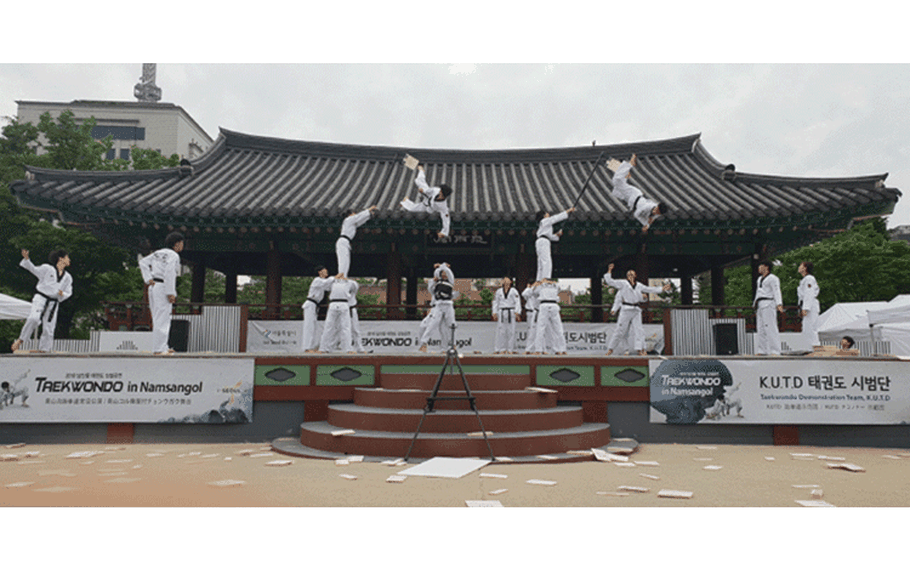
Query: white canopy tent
[(871, 321), (13, 308)]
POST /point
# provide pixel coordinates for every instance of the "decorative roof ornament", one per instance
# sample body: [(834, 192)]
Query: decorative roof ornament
[(145, 90)]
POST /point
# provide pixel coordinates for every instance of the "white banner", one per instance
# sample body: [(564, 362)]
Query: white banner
[(125, 341), (127, 389), (404, 337), (779, 391)]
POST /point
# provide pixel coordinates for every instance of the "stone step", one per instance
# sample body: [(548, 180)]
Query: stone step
[(485, 399)]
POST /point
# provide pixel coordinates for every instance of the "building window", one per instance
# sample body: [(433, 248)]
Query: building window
[(118, 132), (125, 153), (111, 154)]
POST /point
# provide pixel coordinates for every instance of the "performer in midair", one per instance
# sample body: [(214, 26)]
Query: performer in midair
[(336, 332), (159, 271), (55, 285), (550, 333), (767, 298), (808, 304), (442, 314), (506, 312), (545, 236), (630, 293), (318, 288), (531, 304), (352, 221), (431, 200), (643, 209), (355, 319)]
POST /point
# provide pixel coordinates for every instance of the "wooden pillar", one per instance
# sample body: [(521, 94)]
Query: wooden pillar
[(273, 279), (393, 285), (755, 260), (597, 297), (230, 288), (686, 288), (523, 270), (197, 291), (717, 286), (640, 266), (410, 293)]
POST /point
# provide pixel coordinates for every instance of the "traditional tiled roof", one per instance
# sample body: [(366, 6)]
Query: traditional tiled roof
[(247, 180)]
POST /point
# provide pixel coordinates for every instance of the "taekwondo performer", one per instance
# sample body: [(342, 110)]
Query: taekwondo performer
[(421, 329), (355, 319), (506, 311), (550, 332), (336, 332), (531, 304), (317, 291), (159, 271), (352, 221), (442, 314), (630, 293), (767, 298), (545, 235), (55, 284), (643, 209), (431, 200), (808, 304)]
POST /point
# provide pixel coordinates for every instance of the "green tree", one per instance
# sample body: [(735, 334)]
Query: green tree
[(148, 159)]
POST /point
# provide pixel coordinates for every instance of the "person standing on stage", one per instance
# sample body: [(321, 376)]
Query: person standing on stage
[(550, 332), (55, 285), (808, 304), (159, 271), (545, 236), (531, 304), (631, 295), (336, 332), (355, 319), (506, 311), (442, 314), (318, 288), (431, 200), (352, 221), (767, 299), (643, 209)]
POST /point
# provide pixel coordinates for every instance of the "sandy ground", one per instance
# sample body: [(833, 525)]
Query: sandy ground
[(184, 475)]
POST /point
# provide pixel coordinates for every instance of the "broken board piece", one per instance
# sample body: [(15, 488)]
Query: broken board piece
[(705, 447), (19, 484), (621, 464), (802, 455), (831, 458), (614, 493), (495, 475), (78, 455), (123, 480), (14, 446), (601, 455), (347, 476), (814, 503), (245, 452), (445, 467), (498, 491), (633, 488), (546, 457), (483, 503), (504, 459), (769, 458), (9, 457), (226, 483), (622, 446), (396, 478), (674, 494), (713, 467), (343, 432), (55, 489), (410, 162), (848, 466), (647, 463), (355, 459), (806, 486), (649, 476), (817, 493), (268, 455), (891, 457), (399, 461), (279, 463), (703, 459), (342, 462), (541, 482)]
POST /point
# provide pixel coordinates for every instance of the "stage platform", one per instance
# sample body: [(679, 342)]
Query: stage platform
[(534, 405)]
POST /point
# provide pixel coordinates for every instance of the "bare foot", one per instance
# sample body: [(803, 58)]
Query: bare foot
[(609, 352), (16, 345), (422, 349)]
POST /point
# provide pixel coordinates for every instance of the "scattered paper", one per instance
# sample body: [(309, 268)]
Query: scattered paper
[(831, 458), (342, 461), (706, 447), (122, 480), (245, 452), (483, 503), (9, 457), (891, 457), (14, 446), (119, 461), (495, 475), (55, 489), (355, 459), (84, 463), (445, 467), (621, 464), (227, 483), (396, 478), (769, 458), (504, 459), (395, 462), (541, 482), (614, 493), (194, 453), (348, 476), (703, 459), (19, 484), (265, 455), (713, 467), (806, 486), (498, 491), (633, 488), (210, 456), (601, 455), (78, 455), (649, 476), (547, 457), (153, 455), (137, 466), (278, 463), (674, 494), (848, 466), (60, 472), (802, 455), (814, 503), (343, 432), (112, 474), (647, 463), (817, 493)]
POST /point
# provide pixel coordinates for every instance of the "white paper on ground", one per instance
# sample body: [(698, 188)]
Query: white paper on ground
[(483, 503), (445, 467)]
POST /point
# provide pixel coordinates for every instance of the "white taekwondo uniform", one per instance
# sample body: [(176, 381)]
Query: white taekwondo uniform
[(637, 204), (355, 319), (767, 298), (343, 244), (507, 307), (442, 314), (550, 332), (531, 305), (317, 291), (336, 332), (629, 326), (545, 235), (52, 288), (162, 267), (427, 202), (808, 300)]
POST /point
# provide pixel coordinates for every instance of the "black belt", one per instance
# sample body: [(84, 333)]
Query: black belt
[(543, 237), (760, 300), (549, 302), (161, 280), (345, 237), (338, 300), (510, 313), (635, 203), (628, 304), (47, 304), (311, 300)]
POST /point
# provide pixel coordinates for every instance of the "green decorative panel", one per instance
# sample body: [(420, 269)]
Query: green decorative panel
[(345, 375), (624, 377), (282, 375), (565, 376)]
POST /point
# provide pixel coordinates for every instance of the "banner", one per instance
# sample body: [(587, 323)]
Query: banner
[(404, 337), (127, 389), (779, 391)]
